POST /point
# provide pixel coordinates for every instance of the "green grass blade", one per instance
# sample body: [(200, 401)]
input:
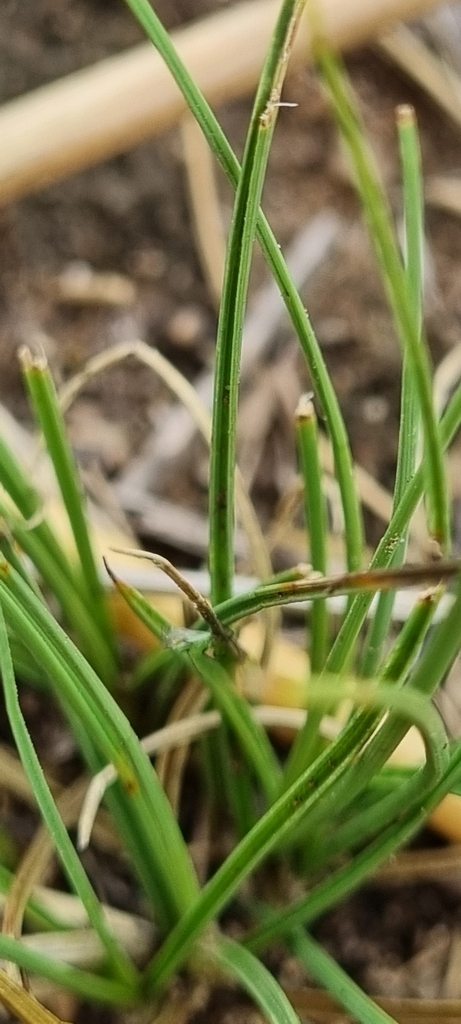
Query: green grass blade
[(159, 626), (338, 885), (10, 552), (381, 231), (331, 976), (409, 413), (408, 643), (36, 539), (402, 656), (438, 657), (236, 714), (234, 301), (349, 877), (256, 980), (311, 349), (427, 676), (29, 503), (61, 584), (365, 584), (82, 983), (228, 781), (46, 407), (348, 633), (38, 917), (76, 683), (120, 962), (287, 813), (413, 207), (315, 514)]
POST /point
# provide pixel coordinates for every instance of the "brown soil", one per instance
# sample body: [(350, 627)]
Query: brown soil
[(131, 216)]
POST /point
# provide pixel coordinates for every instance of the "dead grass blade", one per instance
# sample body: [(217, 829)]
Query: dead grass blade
[(191, 401), (24, 1007), (321, 1008), (205, 207)]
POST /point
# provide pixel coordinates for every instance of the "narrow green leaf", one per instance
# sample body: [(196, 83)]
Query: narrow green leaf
[(315, 513), (46, 407), (287, 813), (255, 979), (236, 714), (382, 234), (302, 326), (234, 301), (332, 977), (29, 502), (439, 655), (76, 683), (70, 861), (365, 584), (83, 983), (340, 652), (61, 583), (409, 410)]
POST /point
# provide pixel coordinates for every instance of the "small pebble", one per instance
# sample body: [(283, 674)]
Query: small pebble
[(185, 327), (80, 285), (375, 409), (149, 264)]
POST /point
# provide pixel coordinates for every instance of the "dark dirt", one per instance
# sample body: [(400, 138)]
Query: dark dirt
[(131, 216)]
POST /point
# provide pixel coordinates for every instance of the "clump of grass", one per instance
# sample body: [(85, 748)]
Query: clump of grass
[(334, 809)]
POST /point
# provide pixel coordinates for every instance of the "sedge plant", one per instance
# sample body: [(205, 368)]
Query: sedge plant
[(334, 810)]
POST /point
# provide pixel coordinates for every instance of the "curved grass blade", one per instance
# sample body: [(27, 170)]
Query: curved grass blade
[(75, 682), (402, 656), (83, 983), (351, 876), (287, 813), (427, 676), (437, 659), (256, 980), (29, 503), (337, 886), (331, 976), (47, 410), (61, 584), (120, 962), (320, 378)]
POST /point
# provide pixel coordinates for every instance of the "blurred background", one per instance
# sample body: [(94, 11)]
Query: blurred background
[(132, 249)]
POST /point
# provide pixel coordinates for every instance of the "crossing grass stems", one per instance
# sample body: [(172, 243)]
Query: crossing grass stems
[(289, 812)]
